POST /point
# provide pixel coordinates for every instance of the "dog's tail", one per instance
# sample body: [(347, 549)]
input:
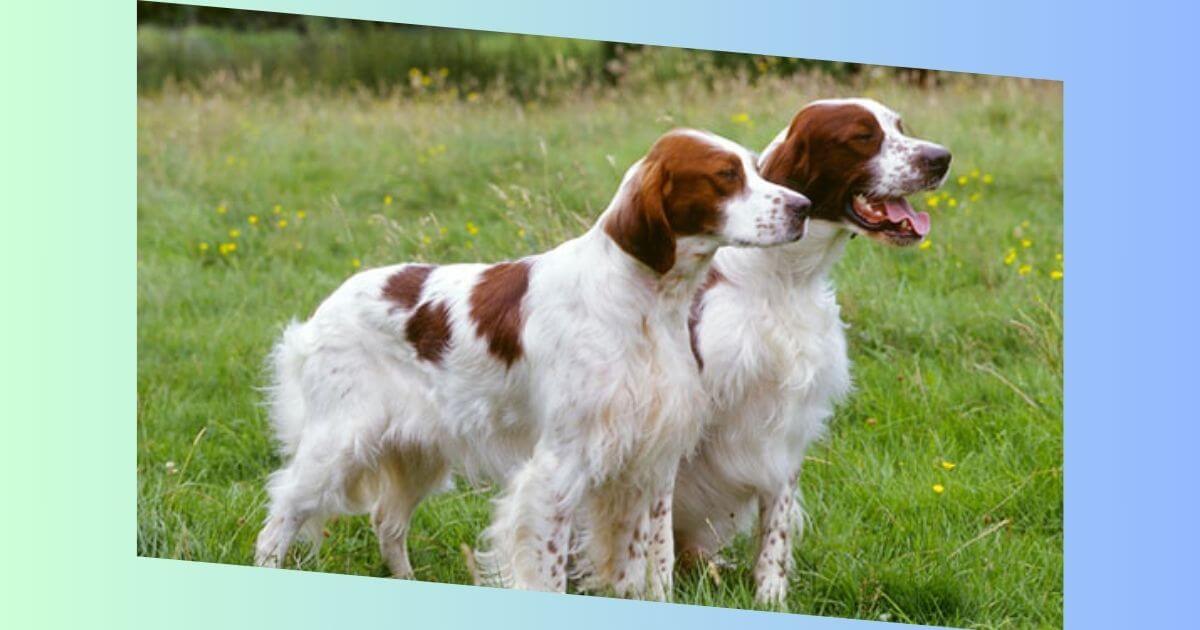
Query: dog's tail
[(285, 394)]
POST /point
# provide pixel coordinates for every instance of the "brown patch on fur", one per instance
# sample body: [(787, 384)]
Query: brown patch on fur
[(428, 330), (677, 191), (826, 155), (404, 287), (714, 276), (496, 308)]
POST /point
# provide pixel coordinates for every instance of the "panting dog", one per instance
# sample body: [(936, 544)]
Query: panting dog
[(767, 331)]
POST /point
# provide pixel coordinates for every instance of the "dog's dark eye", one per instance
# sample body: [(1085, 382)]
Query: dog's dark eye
[(729, 174)]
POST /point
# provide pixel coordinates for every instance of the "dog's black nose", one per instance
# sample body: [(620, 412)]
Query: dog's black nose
[(935, 160)]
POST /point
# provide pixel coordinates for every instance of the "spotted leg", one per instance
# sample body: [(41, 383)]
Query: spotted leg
[(778, 521)]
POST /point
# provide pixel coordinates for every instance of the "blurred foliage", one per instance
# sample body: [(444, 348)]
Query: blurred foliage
[(184, 44)]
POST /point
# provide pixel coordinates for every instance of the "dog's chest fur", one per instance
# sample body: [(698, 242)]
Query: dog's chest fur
[(787, 385), (775, 357)]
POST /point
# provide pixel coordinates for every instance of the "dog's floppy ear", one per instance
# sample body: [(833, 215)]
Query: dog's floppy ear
[(788, 164), (639, 225)]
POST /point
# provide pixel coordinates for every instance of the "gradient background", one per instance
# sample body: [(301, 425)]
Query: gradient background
[(68, 321)]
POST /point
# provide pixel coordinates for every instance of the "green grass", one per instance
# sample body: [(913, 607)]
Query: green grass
[(957, 355)]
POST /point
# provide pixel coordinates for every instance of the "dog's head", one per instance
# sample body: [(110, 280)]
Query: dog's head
[(704, 188), (853, 159)]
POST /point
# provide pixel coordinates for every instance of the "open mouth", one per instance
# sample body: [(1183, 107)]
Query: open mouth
[(893, 217)]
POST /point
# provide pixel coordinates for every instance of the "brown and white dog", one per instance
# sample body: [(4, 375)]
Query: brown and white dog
[(566, 376), (767, 331)]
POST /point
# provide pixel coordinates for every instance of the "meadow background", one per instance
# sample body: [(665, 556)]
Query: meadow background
[(277, 155)]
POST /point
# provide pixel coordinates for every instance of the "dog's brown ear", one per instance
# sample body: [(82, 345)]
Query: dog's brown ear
[(639, 226), (788, 163)]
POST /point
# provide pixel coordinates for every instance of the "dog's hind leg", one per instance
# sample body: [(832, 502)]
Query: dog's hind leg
[(311, 487), (406, 477), (288, 512)]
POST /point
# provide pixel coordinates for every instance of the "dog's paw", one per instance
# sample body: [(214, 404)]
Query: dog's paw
[(772, 590)]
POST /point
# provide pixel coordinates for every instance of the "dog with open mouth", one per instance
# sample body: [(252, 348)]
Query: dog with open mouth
[(767, 333)]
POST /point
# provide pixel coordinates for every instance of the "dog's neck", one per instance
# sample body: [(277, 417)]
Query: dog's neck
[(805, 263), (664, 292)]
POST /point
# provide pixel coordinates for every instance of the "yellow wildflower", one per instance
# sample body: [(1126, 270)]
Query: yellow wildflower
[(949, 465), (356, 263), (300, 214), (414, 72), (221, 209), (472, 229), (230, 160), (203, 247), (387, 200), (974, 173), (1010, 257), (227, 248), (277, 209), (282, 223), (252, 219), (741, 118), (472, 97), (953, 203), (1025, 223), (932, 201), (521, 233), (443, 230), (987, 179), (443, 72), (1058, 257), (976, 196), (234, 233), (426, 80), (962, 180), (1024, 270), (1026, 243), (925, 244), (939, 488), (1056, 275), (425, 240)]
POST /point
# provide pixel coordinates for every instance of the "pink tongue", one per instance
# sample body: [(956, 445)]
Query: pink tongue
[(899, 209)]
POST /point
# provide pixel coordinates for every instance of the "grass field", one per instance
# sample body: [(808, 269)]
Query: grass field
[(938, 496)]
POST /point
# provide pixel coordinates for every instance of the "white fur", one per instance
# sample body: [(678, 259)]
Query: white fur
[(592, 420), (775, 360)]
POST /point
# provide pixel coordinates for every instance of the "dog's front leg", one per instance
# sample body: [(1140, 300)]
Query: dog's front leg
[(778, 522), (618, 514), (660, 544), (531, 527)]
